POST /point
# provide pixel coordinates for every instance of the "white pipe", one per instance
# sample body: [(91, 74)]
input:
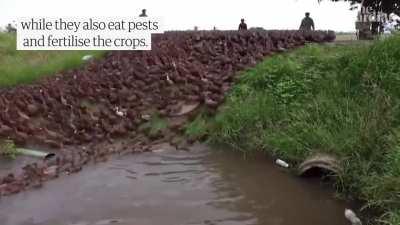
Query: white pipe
[(35, 153)]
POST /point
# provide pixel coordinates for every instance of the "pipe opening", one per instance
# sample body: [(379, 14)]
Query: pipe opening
[(49, 156), (320, 165), (319, 172)]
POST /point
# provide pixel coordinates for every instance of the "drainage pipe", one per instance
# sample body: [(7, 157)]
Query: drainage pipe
[(320, 161), (35, 153)]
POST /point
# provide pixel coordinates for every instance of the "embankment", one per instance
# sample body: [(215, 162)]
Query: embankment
[(339, 100)]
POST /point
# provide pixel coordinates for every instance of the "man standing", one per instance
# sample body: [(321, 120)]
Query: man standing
[(307, 23), (10, 28), (242, 25), (143, 13)]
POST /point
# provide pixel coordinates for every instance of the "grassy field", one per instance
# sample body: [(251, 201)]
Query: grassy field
[(21, 67), (341, 100)]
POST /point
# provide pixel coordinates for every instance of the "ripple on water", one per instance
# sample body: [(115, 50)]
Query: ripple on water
[(173, 188)]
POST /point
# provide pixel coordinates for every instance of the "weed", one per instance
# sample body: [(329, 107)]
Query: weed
[(157, 125), (8, 149), (197, 128)]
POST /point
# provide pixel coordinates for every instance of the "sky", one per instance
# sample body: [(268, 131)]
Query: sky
[(185, 14)]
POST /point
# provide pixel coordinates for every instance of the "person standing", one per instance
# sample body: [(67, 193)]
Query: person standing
[(242, 25), (10, 28), (143, 13), (307, 23)]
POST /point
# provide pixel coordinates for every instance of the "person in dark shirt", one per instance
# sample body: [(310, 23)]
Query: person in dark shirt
[(10, 28), (242, 25), (143, 13), (307, 23)]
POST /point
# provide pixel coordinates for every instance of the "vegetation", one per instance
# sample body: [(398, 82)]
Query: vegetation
[(20, 67), (387, 6), (8, 149), (157, 125), (342, 100), (196, 129)]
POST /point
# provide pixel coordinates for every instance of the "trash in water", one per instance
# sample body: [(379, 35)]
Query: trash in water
[(352, 217), (282, 163)]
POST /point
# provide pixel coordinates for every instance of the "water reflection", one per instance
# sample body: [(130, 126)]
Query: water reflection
[(271, 195), (172, 188)]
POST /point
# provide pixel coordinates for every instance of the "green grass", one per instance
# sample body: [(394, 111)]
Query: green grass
[(8, 149), (197, 128), (342, 100), (157, 125), (22, 67)]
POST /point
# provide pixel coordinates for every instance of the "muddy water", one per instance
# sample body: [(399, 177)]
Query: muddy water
[(170, 187), (8, 165)]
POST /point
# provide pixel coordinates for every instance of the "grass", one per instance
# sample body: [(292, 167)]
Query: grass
[(157, 125), (197, 128), (22, 67), (8, 149), (342, 100)]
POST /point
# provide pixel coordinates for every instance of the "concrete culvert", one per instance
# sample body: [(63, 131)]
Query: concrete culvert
[(319, 165)]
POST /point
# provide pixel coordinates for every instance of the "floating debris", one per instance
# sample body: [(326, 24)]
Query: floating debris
[(352, 217), (282, 163)]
